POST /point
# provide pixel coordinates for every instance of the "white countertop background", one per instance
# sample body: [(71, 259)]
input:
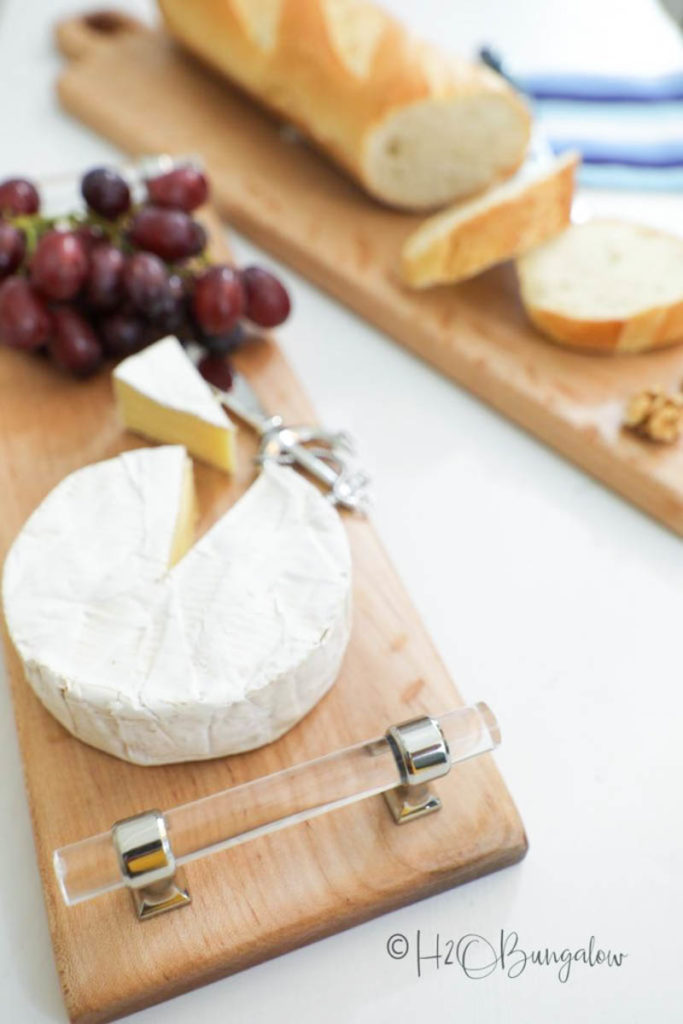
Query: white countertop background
[(547, 596)]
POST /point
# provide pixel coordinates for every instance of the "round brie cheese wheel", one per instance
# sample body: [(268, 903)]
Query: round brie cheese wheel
[(157, 662)]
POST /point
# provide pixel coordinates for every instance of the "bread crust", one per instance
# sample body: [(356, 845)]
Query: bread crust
[(307, 68), (440, 252), (653, 328), (650, 328)]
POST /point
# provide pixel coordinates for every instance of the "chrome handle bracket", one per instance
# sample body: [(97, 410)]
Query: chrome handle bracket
[(422, 755), (148, 865)]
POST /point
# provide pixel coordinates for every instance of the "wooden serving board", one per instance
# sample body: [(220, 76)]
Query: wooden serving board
[(278, 892), (293, 202)]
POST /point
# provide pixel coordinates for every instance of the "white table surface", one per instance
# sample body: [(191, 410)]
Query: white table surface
[(546, 594)]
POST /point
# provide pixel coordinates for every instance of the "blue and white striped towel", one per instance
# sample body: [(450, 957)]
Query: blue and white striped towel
[(629, 130)]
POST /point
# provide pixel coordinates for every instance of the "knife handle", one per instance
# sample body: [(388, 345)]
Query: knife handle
[(282, 444)]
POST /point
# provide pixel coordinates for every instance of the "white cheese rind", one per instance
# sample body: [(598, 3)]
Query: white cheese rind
[(220, 654), (163, 373)]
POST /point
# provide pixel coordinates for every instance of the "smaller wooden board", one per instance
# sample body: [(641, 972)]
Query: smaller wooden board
[(277, 892), (295, 203)]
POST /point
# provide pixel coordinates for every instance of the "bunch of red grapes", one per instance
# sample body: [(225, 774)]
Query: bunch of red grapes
[(106, 282)]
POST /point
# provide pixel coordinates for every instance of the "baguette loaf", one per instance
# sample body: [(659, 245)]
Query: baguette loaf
[(504, 222), (415, 128), (606, 285)]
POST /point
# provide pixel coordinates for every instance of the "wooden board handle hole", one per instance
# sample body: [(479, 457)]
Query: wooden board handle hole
[(76, 37)]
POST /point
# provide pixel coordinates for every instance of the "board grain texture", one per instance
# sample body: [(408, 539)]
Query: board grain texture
[(293, 202), (278, 892)]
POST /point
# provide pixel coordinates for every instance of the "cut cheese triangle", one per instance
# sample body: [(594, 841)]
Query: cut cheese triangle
[(508, 220), (222, 652), (161, 395)]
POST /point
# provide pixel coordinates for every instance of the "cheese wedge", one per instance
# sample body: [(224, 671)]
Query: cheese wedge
[(222, 652), (161, 395)]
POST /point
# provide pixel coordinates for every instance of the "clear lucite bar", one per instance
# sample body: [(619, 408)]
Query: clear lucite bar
[(89, 868)]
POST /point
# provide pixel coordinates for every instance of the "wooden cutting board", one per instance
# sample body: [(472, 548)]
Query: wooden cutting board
[(293, 202), (278, 892)]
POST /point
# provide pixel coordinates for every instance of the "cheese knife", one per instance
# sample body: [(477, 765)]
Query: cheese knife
[(325, 455)]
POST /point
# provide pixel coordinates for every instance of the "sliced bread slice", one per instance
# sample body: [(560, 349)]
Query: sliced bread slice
[(606, 285), (505, 222)]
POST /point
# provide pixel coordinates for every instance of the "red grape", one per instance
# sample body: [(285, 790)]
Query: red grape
[(24, 319), (90, 235), (199, 237), (218, 299), (145, 281), (59, 265), (12, 248), (17, 196), (173, 313), (170, 234), (122, 334), (184, 188), (105, 192), (216, 370), (74, 345), (104, 285), (155, 333), (267, 301), (223, 344)]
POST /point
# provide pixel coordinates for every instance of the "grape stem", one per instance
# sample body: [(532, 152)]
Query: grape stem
[(35, 225)]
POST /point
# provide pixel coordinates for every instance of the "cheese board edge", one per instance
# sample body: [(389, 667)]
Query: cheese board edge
[(512, 848)]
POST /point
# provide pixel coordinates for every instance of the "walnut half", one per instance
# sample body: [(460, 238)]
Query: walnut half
[(655, 415)]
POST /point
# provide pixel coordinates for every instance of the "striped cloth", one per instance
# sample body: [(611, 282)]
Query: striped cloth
[(629, 130)]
